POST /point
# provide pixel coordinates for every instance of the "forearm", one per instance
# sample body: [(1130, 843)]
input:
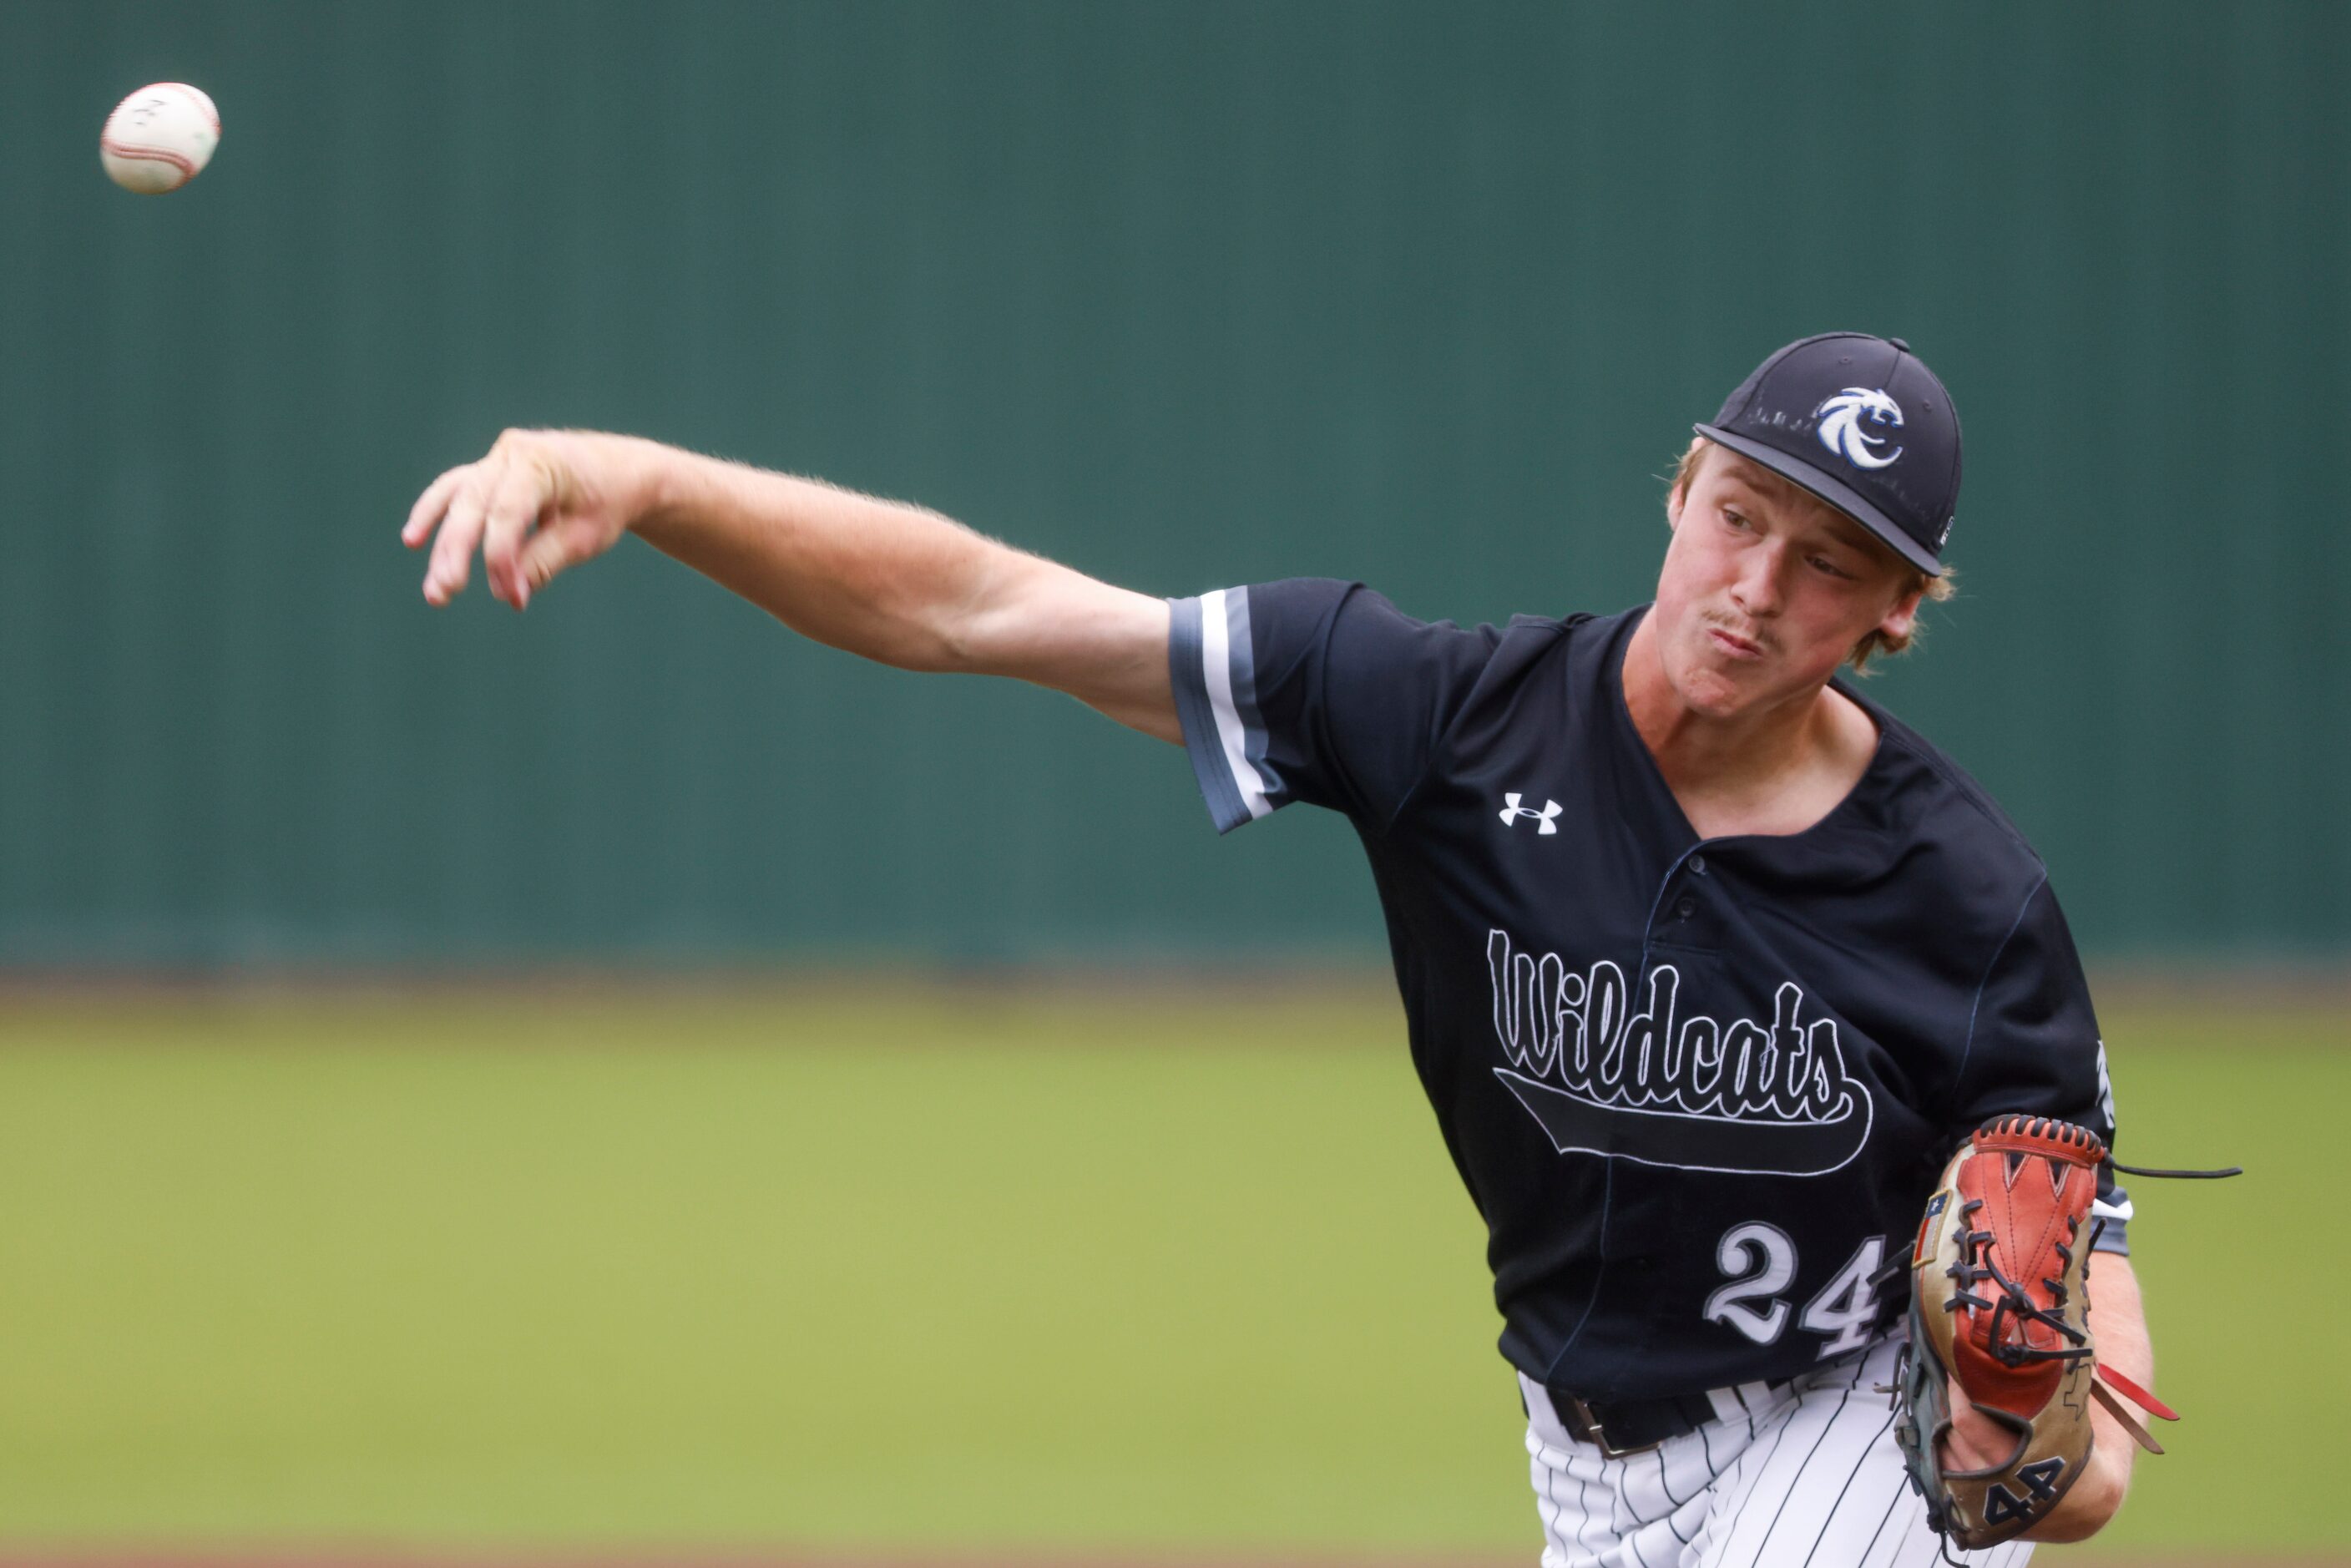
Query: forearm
[(889, 581), (905, 586)]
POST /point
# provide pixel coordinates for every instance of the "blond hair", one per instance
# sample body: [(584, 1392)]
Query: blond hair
[(1873, 642)]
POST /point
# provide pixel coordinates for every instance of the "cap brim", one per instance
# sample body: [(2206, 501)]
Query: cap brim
[(1833, 490)]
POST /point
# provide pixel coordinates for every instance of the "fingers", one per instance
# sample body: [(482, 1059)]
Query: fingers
[(426, 513), (514, 507), (514, 504), (460, 531), (564, 542)]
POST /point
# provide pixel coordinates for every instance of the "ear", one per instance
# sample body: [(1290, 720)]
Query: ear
[(1903, 618), (1686, 469)]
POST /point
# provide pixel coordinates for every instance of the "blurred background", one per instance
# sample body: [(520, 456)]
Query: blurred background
[(626, 1078)]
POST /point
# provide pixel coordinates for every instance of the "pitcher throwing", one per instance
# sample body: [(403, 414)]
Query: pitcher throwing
[(1710, 965)]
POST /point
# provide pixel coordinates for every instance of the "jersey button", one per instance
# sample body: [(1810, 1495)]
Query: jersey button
[(1698, 864), (1685, 908)]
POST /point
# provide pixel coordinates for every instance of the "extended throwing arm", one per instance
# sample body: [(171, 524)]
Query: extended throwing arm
[(893, 582)]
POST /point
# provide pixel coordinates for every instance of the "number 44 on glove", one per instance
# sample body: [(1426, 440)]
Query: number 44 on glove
[(2000, 1307)]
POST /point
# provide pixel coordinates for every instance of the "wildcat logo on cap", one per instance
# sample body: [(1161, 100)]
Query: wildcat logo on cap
[(1840, 428)]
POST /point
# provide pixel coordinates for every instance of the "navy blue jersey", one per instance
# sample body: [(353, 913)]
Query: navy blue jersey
[(1698, 1089)]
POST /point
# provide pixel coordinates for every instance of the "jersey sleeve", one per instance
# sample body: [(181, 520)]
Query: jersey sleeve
[(2034, 1047), (1315, 690)]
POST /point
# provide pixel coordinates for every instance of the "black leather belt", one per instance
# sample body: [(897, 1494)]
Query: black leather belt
[(1621, 1426)]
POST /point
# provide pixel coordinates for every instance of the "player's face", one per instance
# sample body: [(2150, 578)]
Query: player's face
[(1766, 589)]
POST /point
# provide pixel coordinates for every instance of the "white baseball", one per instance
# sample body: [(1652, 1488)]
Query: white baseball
[(159, 138)]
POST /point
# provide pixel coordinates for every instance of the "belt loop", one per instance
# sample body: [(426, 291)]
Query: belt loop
[(1543, 1412)]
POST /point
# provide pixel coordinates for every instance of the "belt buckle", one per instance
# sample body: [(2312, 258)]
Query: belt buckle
[(1578, 1419)]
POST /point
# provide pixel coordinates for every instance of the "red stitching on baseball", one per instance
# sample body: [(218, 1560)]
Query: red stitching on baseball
[(148, 155)]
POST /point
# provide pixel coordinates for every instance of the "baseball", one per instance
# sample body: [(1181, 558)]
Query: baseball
[(159, 138)]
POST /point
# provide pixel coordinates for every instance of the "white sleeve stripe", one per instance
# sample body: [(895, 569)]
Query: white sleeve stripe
[(1216, 667)]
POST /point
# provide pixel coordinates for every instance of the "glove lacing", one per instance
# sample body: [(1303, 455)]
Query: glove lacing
[(1975, 1265)]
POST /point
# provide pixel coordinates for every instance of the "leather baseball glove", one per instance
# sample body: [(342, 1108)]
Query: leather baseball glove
[(2000, 1307)]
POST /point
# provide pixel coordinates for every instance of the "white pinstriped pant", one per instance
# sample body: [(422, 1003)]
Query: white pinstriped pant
[(1806, 1479)]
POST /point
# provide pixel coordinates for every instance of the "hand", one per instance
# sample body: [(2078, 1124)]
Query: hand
[(541, 500), (1977, 1442)]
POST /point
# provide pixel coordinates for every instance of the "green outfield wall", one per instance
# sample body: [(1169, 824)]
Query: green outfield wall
[(1183, 294)]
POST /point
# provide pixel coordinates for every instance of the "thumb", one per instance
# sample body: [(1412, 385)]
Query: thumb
[(560, 545)]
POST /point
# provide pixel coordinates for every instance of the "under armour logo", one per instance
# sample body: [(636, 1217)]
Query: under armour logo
[(1545, 820)]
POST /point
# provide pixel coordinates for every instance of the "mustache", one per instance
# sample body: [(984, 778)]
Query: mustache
[(1755, 635)]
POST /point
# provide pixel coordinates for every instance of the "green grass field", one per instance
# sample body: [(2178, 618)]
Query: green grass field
[(966, 1268)]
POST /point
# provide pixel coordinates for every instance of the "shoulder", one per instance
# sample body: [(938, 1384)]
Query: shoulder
[(1943, 820), (1952, 803), (1335, 627), (1321, 690)]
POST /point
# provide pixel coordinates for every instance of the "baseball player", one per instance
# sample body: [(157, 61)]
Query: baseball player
[(1708, 962)]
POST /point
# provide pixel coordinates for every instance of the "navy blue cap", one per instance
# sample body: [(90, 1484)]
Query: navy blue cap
[(1861, 423)]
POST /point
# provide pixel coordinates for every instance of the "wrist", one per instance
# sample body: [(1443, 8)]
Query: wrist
[(2092, 1502), (662, 486)]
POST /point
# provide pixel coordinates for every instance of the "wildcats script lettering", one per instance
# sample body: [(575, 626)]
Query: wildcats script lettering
[(1645, 1083)]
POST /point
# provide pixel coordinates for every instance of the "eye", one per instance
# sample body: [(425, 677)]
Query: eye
[(1831, 568), (1733, 517)]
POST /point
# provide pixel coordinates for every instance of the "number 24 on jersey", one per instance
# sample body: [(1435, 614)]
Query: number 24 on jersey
[(1760, 1259)]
